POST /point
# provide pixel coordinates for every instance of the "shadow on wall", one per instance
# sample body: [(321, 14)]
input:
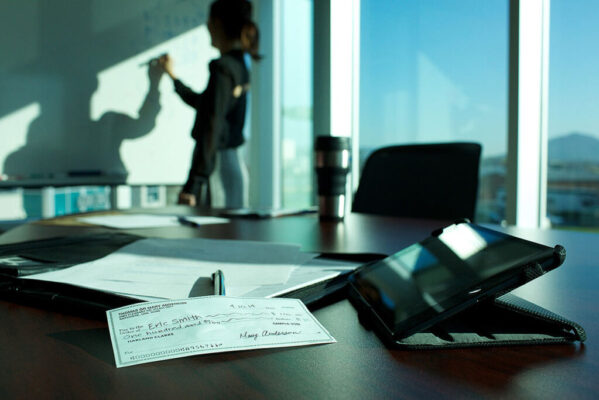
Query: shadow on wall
[(84, 146), (57, 52)]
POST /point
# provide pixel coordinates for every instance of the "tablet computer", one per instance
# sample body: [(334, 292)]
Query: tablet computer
[(451, 270)]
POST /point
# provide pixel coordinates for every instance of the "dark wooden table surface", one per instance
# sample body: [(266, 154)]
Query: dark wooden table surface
[(48, 354)]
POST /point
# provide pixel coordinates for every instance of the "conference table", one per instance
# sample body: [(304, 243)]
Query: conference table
[(49, 354)]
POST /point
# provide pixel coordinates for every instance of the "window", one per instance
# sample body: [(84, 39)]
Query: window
[(573, 122), (296, 103), (435, 71)]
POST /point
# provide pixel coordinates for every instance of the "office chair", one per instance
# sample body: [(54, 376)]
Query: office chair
[(436, 181)]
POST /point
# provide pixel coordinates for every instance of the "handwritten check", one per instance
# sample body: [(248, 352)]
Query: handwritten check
[(162, 330)]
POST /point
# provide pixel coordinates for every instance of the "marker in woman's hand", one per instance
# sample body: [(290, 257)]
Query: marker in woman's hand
[(154, 61)]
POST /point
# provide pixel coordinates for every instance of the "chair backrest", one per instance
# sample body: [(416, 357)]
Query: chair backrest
[(437, 181)]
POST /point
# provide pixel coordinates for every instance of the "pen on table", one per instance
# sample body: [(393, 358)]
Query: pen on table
[(218, 278), (185, 221)]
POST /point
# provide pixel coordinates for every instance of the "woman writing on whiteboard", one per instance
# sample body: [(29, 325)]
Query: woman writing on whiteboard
[(221, 107)]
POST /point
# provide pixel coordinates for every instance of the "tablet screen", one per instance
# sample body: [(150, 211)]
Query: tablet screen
[(442, 272)]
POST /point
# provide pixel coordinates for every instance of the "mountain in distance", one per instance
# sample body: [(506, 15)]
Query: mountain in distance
[(574, 147)]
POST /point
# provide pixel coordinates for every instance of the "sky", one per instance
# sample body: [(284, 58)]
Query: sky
[(574, 67), (438, 70)]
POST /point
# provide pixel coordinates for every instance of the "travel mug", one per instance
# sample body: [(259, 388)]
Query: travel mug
[(332, 166)]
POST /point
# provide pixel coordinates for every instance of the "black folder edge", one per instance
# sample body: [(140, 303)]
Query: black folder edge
[(73, 299), (331, 290), (55, 296), (62, 297)]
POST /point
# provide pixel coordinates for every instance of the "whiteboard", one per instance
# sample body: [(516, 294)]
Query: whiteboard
[(75, 90)]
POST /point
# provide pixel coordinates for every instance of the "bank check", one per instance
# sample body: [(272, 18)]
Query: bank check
[(153, 331)]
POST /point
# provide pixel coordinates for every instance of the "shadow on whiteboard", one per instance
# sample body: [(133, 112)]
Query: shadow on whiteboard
[(65, 116)]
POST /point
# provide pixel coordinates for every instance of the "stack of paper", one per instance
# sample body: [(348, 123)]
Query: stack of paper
[(168, 268)]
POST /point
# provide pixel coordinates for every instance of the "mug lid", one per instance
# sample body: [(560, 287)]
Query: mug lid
[(332, 143)]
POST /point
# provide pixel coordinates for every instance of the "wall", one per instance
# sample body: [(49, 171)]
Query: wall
[(76, 93)]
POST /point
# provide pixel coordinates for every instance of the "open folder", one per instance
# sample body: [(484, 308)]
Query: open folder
[(48, 272)]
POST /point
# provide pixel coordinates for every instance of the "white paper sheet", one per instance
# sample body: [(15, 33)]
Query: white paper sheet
[(311, 272), (132, 221), (148, 332), (205, 220), (169, 268), (137, 221)]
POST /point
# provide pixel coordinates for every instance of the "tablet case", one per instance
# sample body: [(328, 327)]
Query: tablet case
[(508, 320), (503, 320)]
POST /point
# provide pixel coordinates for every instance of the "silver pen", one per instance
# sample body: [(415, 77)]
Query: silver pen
[(218, 279)]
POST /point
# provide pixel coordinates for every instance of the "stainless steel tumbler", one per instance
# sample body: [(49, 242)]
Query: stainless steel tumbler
[(332, 166)]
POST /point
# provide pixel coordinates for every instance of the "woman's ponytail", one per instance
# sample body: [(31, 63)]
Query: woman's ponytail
[(236, 17)]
